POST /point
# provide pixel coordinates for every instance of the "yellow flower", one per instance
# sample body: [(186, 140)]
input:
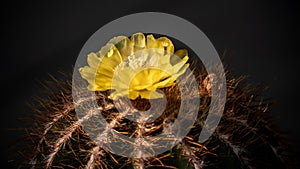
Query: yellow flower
[(135, 67)]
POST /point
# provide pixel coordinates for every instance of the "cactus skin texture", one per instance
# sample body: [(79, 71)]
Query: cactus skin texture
[(244, 138)]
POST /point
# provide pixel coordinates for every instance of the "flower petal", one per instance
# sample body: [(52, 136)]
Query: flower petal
[(150, 94), (110, 55), (139, 41), (124, 46), (167, 45), (93, 60), (179, 54)]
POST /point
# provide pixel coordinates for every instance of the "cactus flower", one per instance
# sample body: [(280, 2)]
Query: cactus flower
[(135, 67)]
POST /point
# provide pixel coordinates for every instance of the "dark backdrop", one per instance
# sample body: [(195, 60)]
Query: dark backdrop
[(41, 38)]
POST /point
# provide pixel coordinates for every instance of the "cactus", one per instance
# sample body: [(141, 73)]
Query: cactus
[(244, 138)]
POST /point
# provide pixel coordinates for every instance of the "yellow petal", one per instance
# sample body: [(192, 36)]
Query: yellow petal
[(150, 94), (93, 60), (181, 71), (110, 55), (124, 46), (87, 72), (167, 44), (155, 95), (133, 94), (165, 59), (139, 41), (116, 94), (157, 75), (165, 83), (180, 64), (155, 46), (151, 42), (179, 54)]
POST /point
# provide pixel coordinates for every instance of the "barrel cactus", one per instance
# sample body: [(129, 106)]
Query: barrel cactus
[(244, 138)]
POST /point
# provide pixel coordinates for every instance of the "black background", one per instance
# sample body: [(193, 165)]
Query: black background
[(260, 37)]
